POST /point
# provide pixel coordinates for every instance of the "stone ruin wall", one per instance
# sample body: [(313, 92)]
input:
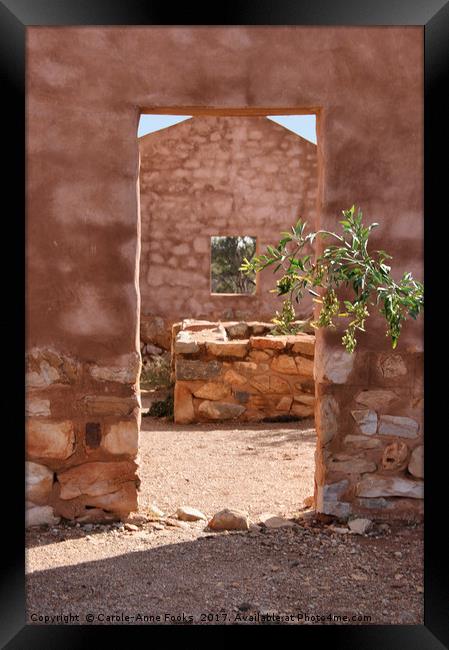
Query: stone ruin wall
[(370, 436), (248, 378), (370, 427), (82, 248), (216, 176), (82, 438)]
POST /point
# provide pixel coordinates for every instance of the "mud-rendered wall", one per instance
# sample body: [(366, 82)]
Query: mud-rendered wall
[(217, 176), (84, 90)]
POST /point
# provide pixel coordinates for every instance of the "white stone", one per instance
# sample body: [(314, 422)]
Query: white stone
[(40, 515), (416, 464), (335, 366), (185, 343), (328, 499), (48, 375), (366, 419), (228, 519), (48, 439), (153, 512), (278, 522), (125, 372), (386, 486), (393, 425), (122, 438), (187, 513), (360, 526), (35, 406), (362, 442), (38, 482)]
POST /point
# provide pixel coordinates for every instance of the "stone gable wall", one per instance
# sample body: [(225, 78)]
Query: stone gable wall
[(216, 176)]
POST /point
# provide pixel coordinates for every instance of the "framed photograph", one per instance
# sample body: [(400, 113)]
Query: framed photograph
[(224, 223)]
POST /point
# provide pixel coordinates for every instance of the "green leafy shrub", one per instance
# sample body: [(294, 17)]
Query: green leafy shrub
[(156, 372), (162, 408), (346, 263)]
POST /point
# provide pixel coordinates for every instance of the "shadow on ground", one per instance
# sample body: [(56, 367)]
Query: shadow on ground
[(212, 579)]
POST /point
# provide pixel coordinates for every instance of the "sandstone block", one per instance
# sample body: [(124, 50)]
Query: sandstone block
[(327, 418), (360, 526), (213, 391), (302, 410), (110, 404), (375, 399), (352, 465), (393, 425), (259, 355), (234, 378), (187, 369), (284, 403), (40, 515), (245, 366), (186, 513), (50, 439), (305, 344), (305, 366), (305, 398), (95, 479), (366, 419), (121, 438), (37, 407), (185, 343), (267, 343), (228, 349), (277, 522), (183, 405), (395, 455), (284, 364), (120, 502), (261, 383), (416, 464), (38, 483), (362, 442), (125, 371), (386, 486), (220, 410), (278, 385), (229, 520)]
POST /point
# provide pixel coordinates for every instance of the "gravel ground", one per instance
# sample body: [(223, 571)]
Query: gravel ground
[(159, 573), (258, 468)]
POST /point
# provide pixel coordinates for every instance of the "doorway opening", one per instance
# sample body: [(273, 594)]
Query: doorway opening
[(227, 402)]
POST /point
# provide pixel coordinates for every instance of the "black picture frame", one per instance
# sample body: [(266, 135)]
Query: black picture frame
[(15, 17)]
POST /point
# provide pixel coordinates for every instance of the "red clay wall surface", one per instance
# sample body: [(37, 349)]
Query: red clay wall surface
[(85, 90), (218, 176)]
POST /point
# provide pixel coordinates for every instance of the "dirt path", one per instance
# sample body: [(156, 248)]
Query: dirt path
[(161, 574), (258, 468)]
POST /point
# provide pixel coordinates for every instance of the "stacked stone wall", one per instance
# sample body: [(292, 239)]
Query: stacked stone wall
[(247, 379), (82, 437)]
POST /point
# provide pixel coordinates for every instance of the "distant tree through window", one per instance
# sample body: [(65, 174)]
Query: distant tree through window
[(227, 254)]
